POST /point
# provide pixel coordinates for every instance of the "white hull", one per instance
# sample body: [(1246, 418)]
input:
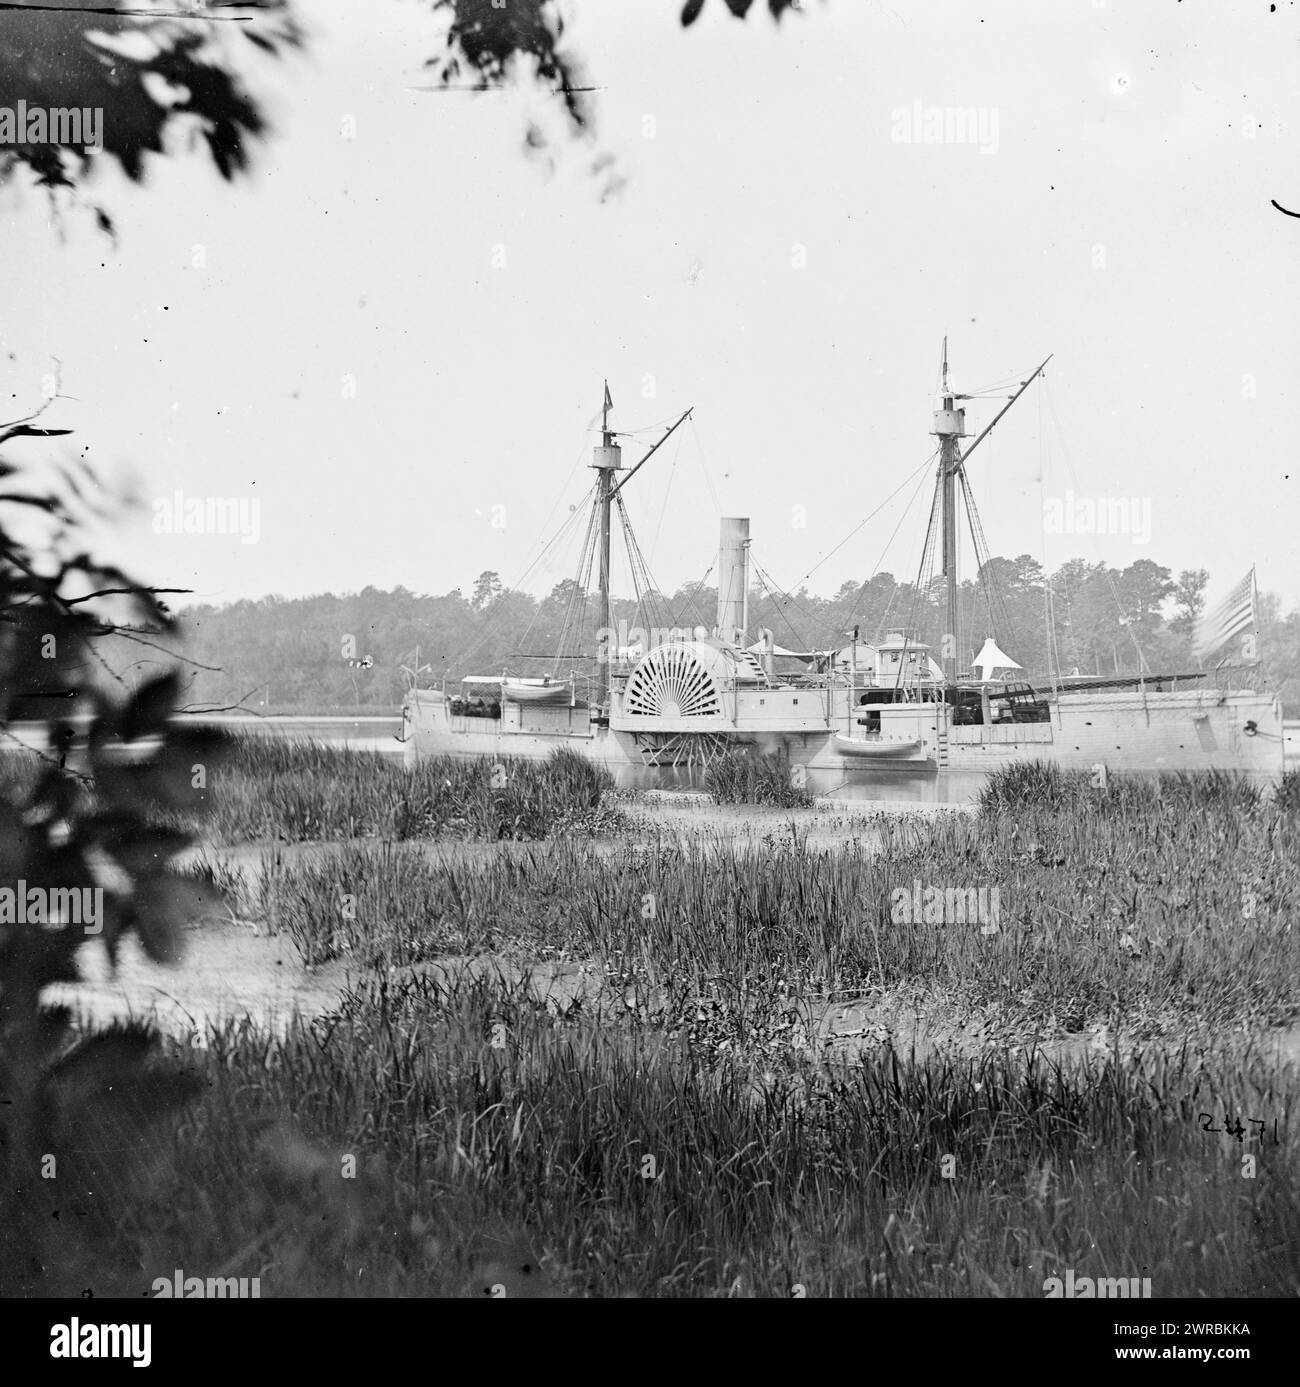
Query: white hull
[(1125, 731)]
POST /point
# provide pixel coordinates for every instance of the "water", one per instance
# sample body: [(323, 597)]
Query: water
[(227, 970), (857, 786), (357, 733)]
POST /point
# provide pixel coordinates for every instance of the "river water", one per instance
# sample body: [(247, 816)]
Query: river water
[(862, 785)]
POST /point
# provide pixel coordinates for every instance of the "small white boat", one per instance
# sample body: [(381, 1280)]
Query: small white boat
[(885, 748), (536, 690)]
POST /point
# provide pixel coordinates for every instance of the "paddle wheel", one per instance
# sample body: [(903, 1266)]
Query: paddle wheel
[(672, 681), (682, 750)]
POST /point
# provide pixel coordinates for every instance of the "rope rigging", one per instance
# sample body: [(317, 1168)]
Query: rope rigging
[(579, 591), (777, 596), (650, 606), (1125, 618), (491, 626)]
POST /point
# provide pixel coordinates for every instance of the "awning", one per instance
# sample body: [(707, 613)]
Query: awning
[(991, 658), (759, 648)]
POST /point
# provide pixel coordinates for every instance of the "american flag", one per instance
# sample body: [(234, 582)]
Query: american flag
[(1234, 614)]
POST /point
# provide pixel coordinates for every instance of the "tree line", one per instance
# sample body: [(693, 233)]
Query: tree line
[(340, 652)]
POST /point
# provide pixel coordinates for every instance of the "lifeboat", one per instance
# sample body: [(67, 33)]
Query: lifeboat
[(881, 748), (536, 690)]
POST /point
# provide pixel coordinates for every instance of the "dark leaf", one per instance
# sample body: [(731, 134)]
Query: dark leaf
[(101, 1058), (17, 842), (32, 431), (163, 905), (193, 743), (35, 958), (54, 1031), (57, 796), (149, 710), (53, 57), (135, 843)]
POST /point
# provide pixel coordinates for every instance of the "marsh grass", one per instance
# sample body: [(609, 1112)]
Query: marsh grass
[(631, 1167), (303, 791), (389, 905), (1153, 920), (1044, 785), (474, 1117), (746, 777)]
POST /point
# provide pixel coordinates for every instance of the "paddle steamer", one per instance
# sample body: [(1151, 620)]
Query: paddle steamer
[(678, 698)]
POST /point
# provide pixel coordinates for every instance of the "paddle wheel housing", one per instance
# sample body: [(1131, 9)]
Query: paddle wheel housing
[(686, 686)]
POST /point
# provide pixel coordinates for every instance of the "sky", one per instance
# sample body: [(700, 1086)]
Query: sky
[(394, 336)]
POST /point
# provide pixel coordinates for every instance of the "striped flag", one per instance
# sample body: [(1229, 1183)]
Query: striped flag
[(1236, 613)]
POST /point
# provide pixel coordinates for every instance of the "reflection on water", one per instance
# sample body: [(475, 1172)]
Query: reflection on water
[(356, 733), (945, 787), (859, 785), (228, 970), (853, 787)]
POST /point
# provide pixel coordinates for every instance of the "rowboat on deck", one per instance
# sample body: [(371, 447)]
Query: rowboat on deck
[(536, 690)]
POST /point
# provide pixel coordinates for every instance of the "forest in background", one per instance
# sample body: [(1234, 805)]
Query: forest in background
[(341, 653)]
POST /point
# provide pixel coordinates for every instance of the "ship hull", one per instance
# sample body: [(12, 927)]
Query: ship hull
[(1159, 732), (430, 728), (1126, 731)]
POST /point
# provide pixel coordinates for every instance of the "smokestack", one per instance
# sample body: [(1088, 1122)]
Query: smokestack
[(733, 579)]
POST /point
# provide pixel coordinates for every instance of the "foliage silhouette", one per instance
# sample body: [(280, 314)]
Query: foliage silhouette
[(156, 76), (78, 1107)]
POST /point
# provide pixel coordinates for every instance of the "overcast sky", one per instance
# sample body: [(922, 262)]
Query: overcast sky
[(766, 246)]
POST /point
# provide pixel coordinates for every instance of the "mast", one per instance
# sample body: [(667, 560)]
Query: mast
[(607, 460), (949, 425)]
